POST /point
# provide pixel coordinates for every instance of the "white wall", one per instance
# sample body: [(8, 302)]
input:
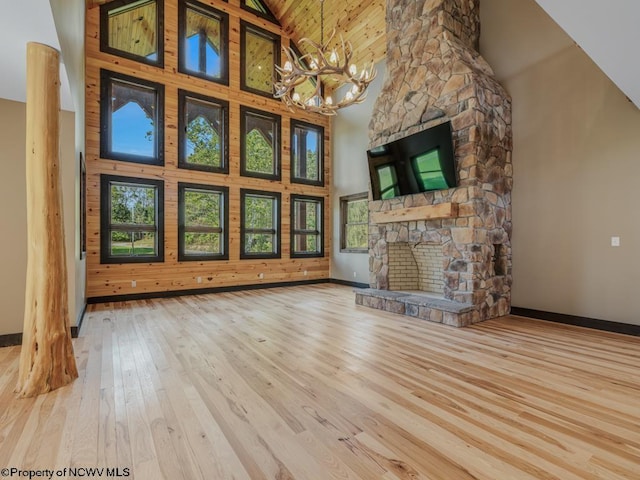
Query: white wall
[(608, 32), (350, 176)]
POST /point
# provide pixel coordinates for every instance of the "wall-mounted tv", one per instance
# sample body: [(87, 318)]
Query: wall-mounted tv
[(420, 162)]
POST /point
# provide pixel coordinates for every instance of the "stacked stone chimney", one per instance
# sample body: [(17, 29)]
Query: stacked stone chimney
[(434, 74)]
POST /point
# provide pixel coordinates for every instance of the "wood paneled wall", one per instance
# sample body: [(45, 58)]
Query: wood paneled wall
[(171, 275)]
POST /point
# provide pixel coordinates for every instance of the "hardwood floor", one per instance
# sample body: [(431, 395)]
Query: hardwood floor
[(300, 383)]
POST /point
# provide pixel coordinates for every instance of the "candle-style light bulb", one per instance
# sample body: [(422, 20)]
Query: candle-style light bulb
[(349, 96), (287, 66), (295, 97), (329, 100), (333, 58), (352, 69)]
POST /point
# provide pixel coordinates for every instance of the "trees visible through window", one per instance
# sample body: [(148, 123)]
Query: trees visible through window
[(203, 42), (259, 53), (260, 144), (306, 226), (133, 29), (131, 119), (260, 226), (203, 214), (307, 153), (354, 213), (203, 130), (131, 220)]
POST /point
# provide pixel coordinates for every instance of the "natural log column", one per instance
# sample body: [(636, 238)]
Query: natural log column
[(46, 359)]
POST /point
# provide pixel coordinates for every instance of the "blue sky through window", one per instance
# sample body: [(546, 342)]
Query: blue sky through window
[(132, 131), (193, 57)]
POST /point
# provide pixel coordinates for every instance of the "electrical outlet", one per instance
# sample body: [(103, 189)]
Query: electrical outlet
[(199, 279), (306, 273), (355, 274), (615, 241), (134, 284), (261, 275)]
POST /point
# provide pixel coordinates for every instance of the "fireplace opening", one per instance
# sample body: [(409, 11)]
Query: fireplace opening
[(416, 267)]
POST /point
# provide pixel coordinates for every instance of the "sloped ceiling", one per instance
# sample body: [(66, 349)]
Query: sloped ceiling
[(608, 32), (26, 21), (359, 22)]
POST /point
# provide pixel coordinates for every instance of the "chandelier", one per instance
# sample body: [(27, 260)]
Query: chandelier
[(318, 66)]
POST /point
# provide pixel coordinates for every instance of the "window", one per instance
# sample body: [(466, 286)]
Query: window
[(260, 225), (354, 220), (259, 144), (306, 226), (203, 132), (131, 220), (259, 8), (132, 119), (203, 48), (307, 153), (133, 29), (203, 215), (260, 53)]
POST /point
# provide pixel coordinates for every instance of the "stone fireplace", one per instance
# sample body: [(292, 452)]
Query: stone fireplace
[(435, 74)]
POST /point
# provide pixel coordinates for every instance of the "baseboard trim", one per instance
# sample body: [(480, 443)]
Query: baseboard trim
[(11, 340), (201, 291), (348, 283), (75, 331), (597, 324)]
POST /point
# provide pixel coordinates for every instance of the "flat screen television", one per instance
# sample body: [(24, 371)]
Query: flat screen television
[(418, 163)]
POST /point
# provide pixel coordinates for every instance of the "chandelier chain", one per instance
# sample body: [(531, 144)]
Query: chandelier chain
[(322, 22)]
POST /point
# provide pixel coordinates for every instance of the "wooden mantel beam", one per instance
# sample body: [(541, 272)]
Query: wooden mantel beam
[(411, 214)]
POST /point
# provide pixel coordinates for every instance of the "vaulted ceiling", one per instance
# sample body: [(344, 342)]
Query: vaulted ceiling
[(360, 22)]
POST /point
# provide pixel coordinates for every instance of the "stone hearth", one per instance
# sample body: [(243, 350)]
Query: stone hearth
[(435, 74)]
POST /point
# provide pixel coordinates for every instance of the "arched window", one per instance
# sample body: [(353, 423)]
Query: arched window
[(260, 144), (132, 119), (203, 132)]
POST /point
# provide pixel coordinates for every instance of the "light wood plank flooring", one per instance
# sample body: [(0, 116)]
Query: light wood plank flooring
[(300, 383)]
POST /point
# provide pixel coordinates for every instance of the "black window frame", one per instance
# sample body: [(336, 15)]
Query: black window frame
[(344, 205), (309, 126), (319, 231), (183, 95), (224, 221), (209, 11), (105, 8), (277, 119), (277, 42), (105, 219), (277, 232), (268, 15), (106, 79)]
